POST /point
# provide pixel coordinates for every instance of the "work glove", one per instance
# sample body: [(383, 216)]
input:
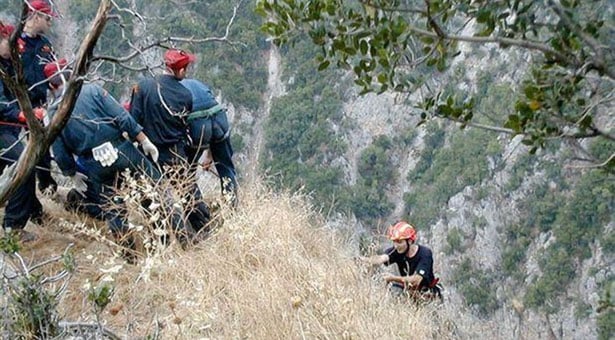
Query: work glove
[(79, 183), (149, 149), (39, 113), (106, 154)]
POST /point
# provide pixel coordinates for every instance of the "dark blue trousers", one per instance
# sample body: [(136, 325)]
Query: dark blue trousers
[(214, 133), (23, 204), (176, 155), (102, 182)]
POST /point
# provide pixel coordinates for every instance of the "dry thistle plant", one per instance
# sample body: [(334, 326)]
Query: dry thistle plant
[(155, 208), (30, 295)]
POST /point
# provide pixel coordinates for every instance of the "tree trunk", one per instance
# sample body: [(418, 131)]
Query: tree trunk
[(41, 138)]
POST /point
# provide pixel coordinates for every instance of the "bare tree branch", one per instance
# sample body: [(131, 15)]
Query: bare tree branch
[(42, 138), (599, 62), (162, 43), (528, 44)]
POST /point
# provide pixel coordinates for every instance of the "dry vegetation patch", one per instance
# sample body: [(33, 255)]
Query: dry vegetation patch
[(271, 270)]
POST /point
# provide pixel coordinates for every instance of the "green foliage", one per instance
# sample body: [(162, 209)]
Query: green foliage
[(237, 142), (539, 212), (34, 309), (368, 200), (519, 171), (608, 243), (101, 296), (432, 142), (443, 172), (477, 287), (604, 150), (30, 298), (235, 68), (454, 238), (369, 203), (576, 223), (590, 208), (391, 48), (582, 310), (558, 271), (541, 209), (300, 142), (606, 324), (375, 165), (606, 311), (9, 243), (513, 257)]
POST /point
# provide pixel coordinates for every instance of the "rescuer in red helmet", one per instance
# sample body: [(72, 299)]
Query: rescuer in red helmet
[(414, 261)]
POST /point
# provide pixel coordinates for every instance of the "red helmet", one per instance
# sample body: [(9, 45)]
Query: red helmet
[(401, 231), (177, 59), (6, 30), (53, 67), (43, 7)]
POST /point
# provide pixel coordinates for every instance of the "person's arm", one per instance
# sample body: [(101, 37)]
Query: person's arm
[(113, 109), (136, 104), (412, 281), (375, 259), (424, 269), (63, 157), (8, 109)]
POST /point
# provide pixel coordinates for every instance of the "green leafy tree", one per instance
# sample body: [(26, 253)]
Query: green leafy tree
[(477, 287), (368, 199), (402, 45), (300, 142), (444, 171)]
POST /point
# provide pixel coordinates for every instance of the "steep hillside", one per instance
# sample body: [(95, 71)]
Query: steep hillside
[(271, 270), (523, 243)]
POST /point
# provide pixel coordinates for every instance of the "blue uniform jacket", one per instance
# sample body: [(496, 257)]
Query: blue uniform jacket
[(202, 97), (96, 118), (9, 108), (160, 125), (37, 52)]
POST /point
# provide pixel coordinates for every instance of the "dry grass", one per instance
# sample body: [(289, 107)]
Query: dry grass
[(270, 271)]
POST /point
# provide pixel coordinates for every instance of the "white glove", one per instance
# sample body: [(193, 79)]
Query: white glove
[(79, 183), (149, 149), (106, 154)]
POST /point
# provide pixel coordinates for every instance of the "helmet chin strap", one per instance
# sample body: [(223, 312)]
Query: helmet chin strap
[(409, 247)]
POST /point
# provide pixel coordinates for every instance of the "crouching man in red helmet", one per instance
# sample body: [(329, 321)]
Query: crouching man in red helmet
[(414, 261)]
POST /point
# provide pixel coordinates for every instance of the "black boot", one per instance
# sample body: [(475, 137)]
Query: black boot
[(129, 247)]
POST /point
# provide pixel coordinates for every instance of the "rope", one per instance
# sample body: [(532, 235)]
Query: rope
[(13, 124), (38, 167)]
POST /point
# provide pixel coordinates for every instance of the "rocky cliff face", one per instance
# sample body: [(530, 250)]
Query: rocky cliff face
[(480, 214)]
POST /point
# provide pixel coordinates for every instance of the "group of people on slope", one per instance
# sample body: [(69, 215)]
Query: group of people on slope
[(173, 120)]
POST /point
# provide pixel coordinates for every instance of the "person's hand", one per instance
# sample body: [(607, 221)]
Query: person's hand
[(79, 183), (388, 277), (361, 260), (149, 149), (39, 113), (207, 161)]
